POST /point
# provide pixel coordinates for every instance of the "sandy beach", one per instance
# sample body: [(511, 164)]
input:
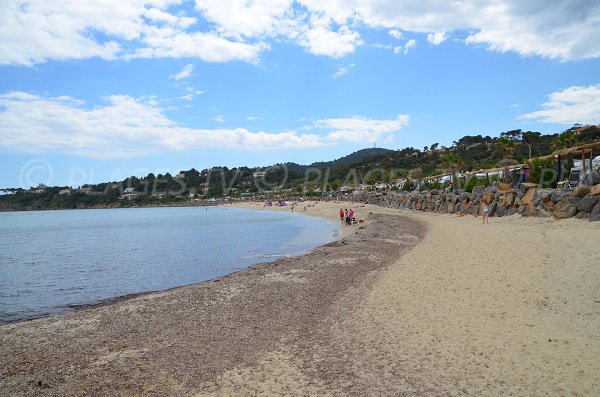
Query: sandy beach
[(404, 303)]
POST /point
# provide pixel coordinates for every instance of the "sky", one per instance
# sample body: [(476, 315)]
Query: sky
[(98, 90)]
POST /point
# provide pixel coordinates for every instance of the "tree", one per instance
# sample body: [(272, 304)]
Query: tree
[(565, 140), (530, 138), (452, 162), (506, 147), (513, 135)]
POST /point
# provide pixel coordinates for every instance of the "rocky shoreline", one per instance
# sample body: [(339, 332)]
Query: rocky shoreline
[(179, 342)]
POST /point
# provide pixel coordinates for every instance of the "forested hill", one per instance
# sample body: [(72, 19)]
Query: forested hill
[(368, 166), (353, 158)]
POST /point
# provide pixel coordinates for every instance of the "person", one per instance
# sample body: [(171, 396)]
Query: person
[(351, 215), (342, 216), (484, 211)]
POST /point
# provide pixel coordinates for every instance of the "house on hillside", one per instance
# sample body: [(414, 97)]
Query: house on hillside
[(580, 130)]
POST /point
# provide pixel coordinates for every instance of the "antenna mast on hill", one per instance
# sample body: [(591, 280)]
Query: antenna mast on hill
[(374, 145)]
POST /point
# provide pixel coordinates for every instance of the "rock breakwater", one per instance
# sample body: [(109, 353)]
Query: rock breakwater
[(582, 202)]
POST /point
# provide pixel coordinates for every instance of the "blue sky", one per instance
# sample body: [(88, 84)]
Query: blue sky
[(92, 91)]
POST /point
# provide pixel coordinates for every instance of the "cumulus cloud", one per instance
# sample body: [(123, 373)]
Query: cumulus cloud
[(361, 129), (410, 44), (35, 31), (569, 106), (126, 126), (395, 33), (336, 44), (436, 38)]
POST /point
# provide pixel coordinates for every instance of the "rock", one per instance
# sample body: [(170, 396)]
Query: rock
[(478, 189), (528, 197), (581, 191), (564, 209), (524, 187), (503, 187), (506, 200), (595, 215), (574, 200), (500, 211), (543, 213), (487, 197), (558, 195), (588, 203), (596, 190), (492, 208), (582, 215), (542, 195)]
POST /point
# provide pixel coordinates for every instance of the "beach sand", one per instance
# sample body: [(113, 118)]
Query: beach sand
[(406, 304)]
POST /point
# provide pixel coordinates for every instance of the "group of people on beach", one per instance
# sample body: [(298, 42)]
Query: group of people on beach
[(347, 217)]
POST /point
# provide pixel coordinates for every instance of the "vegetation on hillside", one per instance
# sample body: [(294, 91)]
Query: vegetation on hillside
[(367, 166)]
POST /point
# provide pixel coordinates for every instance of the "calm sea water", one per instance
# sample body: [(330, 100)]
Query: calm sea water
[(51, 261)]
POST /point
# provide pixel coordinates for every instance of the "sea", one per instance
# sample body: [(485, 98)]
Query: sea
[(53, 262)]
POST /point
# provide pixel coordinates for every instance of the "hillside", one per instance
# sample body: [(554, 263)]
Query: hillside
[(366, 166)]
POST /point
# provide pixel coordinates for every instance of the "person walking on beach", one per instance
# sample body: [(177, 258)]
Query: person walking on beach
[(484, 212), (351, 215), (342, 216)]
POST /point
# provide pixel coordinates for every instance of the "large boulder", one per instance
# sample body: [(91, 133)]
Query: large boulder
[(528, 197), (506, 200), (487, 197), (564, 209), (503, 187), (588, 203), (581, 191), (559, 195), (524, 187), (544, 213), (542, 195)]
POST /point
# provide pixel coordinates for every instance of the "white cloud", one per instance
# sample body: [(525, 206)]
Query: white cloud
[(126, 127), (35, 31), (395, 33), (342, 71), (184, 73), (219, 118), (383, 46), (248, 18), (321, 40), (410, 44), (436, 38), (361, 129), (569, 106)]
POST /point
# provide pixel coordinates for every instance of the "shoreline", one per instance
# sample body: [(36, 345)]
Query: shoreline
[(223, 322), (410, 303)]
